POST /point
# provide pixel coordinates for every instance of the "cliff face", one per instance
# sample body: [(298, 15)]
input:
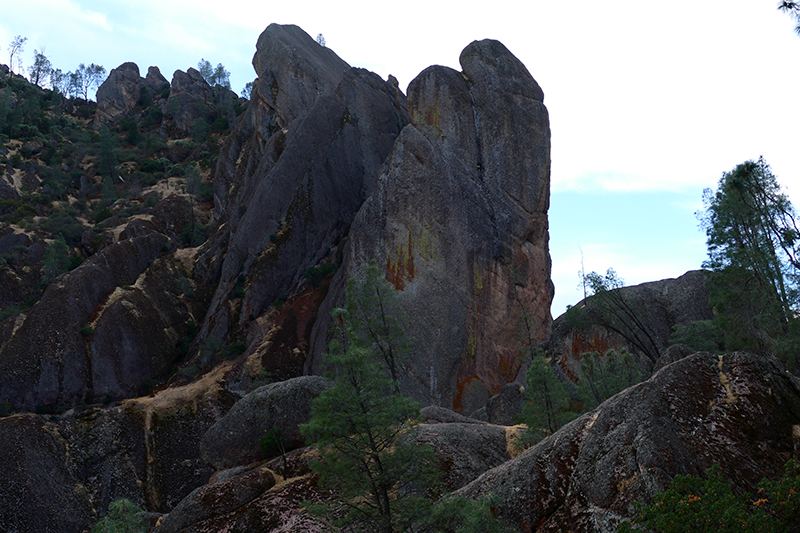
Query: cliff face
[(293, 174), (459, 222)]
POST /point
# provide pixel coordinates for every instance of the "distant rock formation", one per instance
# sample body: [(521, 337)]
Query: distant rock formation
[(737, 410), (459, 221), (122, 91), (658, 305)]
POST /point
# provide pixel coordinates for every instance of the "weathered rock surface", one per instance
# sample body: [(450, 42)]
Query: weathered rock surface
[(62, 475), (43, 360), (233, 440), (736, 410), (459, 219), (38, 487), (122, 91), (658, 305), (293, 174), (465, 450), (217, 499)]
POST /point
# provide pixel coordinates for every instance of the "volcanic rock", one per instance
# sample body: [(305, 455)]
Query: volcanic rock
[(737, 410), (459, 222), (283, 406)]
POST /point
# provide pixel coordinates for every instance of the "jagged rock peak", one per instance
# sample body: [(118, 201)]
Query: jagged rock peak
[(293, 69)]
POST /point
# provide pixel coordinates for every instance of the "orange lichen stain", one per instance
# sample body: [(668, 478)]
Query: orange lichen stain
[(461, 386), (399, 272)]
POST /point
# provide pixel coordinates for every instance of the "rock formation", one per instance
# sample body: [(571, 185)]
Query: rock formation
[(291, 177), (123, 90), (737, 410), (459, 221), (658, 306)]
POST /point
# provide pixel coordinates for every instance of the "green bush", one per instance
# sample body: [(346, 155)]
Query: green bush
[(123, 516), (693, 504)]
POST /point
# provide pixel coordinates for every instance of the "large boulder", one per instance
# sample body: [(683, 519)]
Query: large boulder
[(737, 410), (459, 222), (283, 406), (217, 499), (465, 450)]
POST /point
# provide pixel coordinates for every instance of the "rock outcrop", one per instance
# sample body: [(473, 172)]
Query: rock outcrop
[(459, 221), (657, 306), (123, 90), (737, 410)]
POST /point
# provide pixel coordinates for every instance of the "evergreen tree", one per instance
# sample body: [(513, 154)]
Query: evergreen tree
[(358, 425), (546, 406), (754, 248)]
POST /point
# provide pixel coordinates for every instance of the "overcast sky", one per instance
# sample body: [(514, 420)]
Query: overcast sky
[(649, 101)]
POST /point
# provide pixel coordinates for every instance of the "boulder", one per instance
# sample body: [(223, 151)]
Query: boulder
[(38, 487), (464, 450), (459, 222), (217, 499), (234, 439), (737, 410), (504, 407)]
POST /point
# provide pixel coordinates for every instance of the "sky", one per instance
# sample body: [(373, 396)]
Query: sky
[(649, 102)]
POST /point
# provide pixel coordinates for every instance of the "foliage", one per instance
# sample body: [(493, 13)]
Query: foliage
[(604, 375), (546, 406), (41, 69), (457, 514), (754, 248), (271, 445), (214, 76), (701, 335), (84, 79), (56, 260), (692, 504), (375, 316), (316, 274), (793, 10), (123, 516), (358, 424), (15, 48), (247, 90)]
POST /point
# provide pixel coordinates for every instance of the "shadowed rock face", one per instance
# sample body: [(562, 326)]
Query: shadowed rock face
[(459, 220), (294, 173), (121, 91), (283, 406), (736, 410)]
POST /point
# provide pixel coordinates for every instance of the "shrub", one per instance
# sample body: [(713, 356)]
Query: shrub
[(123, 516)]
